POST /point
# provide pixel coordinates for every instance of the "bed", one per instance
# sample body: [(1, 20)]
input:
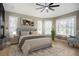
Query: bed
[(34, 42)]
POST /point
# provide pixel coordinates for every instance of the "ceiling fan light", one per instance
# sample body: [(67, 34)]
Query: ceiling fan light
[(46, 8)]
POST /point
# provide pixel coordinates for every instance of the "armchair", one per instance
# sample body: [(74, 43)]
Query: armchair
[(73, 41)]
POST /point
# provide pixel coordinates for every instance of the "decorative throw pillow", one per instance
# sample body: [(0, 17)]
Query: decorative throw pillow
[(23, 33)]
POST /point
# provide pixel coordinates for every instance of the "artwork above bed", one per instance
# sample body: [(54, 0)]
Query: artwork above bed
[(26, 22), (27, 26)]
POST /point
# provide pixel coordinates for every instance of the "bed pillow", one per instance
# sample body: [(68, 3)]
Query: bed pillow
[(24, 33)]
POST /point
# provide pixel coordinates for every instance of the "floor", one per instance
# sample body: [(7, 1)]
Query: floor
[(59, 48), (5, 52), (68, 50)]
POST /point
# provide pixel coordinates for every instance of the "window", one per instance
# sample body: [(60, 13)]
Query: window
[(44, 26), (39, 26), (66, 26), (12, 26), (47, 27)]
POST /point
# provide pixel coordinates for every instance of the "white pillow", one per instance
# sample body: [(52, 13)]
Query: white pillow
[(24, 33)]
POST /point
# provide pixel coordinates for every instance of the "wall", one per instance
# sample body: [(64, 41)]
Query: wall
[(35, 19), (77, 22), (7, 14)]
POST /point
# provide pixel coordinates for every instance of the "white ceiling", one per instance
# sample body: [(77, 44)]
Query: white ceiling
[(30, 9)]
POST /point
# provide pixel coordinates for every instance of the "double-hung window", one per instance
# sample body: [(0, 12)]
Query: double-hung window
[(12, 25), (47, 27), (39, 26), (66, 26), (44, 27)]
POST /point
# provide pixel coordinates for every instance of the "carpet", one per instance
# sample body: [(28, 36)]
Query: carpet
[(51, 51)]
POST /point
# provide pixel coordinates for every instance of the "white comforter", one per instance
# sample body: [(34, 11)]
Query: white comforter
[(35, 44)]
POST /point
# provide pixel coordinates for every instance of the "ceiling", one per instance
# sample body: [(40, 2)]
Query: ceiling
[(30, 9)]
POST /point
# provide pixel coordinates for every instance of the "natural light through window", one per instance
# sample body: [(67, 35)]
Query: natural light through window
[(44, 27), (12, 25), (66, 26), (47, 27), (39, 26)]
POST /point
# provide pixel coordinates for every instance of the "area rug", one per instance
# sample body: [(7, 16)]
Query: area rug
[(51, 51)]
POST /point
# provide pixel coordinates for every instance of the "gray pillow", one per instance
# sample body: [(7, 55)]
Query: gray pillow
[(23, 33)]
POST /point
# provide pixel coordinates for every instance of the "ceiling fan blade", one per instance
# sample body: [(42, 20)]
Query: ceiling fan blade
[(51, 4), (51, 9), (39, 4), (55, 6), (42, 10), (47, 10)]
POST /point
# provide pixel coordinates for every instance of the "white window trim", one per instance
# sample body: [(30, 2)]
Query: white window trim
[(66, 18)]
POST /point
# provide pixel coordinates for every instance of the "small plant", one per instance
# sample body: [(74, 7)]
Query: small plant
[(53, 34)]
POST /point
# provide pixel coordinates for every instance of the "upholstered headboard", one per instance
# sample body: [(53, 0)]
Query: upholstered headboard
[(25, 30)]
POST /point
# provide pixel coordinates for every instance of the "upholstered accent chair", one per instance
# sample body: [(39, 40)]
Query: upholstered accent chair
[(74, 41)]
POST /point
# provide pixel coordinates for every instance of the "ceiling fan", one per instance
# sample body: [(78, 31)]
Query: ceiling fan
[(46, 6)]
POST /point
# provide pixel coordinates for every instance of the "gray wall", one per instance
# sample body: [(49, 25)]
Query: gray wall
[(7, 14), (77, 22)]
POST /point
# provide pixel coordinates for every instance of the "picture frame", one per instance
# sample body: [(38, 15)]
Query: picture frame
[(26, 22)]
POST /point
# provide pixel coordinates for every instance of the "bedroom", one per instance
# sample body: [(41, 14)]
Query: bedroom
[(32, 21)]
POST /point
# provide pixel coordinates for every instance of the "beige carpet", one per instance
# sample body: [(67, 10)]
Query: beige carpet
[(47, 52), (59, 48)]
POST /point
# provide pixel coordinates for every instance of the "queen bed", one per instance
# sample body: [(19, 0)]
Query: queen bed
[(34, 42), (31, 43)]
